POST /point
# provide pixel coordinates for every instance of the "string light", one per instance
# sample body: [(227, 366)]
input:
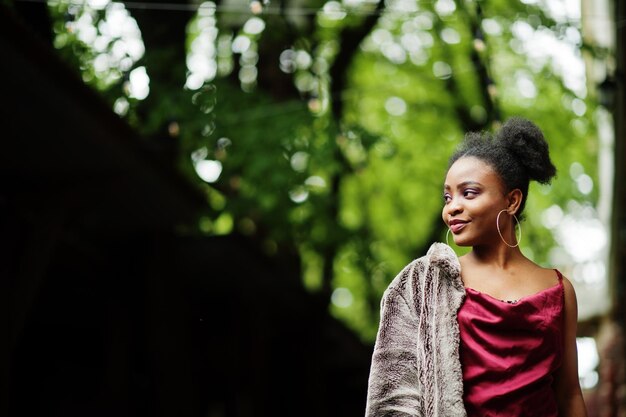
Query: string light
[(256, 7), (259, 7)]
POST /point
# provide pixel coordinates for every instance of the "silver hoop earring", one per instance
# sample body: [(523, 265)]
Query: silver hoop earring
[(519, 238)]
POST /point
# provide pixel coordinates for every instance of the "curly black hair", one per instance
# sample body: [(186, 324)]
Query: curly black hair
[(518, 152)]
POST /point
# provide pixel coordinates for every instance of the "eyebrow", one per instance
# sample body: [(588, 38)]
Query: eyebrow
[(463, 184)]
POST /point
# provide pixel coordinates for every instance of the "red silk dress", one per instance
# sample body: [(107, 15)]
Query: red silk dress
[(510, 351)]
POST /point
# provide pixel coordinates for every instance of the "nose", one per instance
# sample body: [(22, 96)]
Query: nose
[(454, 207)]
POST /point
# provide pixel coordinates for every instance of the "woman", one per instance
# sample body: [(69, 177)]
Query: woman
[(490, 333)]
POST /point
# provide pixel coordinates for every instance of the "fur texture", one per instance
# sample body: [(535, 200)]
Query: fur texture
[(415, 368)]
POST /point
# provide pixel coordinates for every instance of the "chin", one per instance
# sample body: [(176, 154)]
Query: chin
[(463, 242)]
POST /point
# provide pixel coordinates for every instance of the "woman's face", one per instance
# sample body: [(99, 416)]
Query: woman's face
[(474, 195)]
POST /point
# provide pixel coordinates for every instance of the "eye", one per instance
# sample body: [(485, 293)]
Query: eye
[(447, 198), (470, 193)]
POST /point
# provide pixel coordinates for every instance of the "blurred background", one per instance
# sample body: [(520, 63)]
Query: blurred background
[(203, 202)]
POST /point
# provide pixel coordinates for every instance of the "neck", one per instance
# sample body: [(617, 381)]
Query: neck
[(499, 255)]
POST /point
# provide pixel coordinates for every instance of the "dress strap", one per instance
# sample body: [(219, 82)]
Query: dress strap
[(559, 275)]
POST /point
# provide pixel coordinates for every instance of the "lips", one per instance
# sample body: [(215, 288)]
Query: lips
[(457, 225)]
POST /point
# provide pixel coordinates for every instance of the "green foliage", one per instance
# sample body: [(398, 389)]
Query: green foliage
[(359, 189)]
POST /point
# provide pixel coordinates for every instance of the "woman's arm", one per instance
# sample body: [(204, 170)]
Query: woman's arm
[(393, 382), (569, 395)]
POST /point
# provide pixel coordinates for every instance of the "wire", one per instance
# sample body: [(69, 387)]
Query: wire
[(291, 11)]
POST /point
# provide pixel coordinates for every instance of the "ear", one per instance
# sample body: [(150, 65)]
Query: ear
[(514, 198)]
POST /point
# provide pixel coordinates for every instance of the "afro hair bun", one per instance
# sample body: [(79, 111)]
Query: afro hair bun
[(525, 140)]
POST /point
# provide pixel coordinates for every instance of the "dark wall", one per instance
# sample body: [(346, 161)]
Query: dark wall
[(158, 326)]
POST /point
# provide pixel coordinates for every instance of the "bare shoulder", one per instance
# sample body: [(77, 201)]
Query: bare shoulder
[(570, 294)]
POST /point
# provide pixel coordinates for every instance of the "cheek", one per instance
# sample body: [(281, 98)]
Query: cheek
[(485, 212)]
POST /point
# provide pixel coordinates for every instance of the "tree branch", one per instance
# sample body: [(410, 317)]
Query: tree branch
[(350, 39)]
